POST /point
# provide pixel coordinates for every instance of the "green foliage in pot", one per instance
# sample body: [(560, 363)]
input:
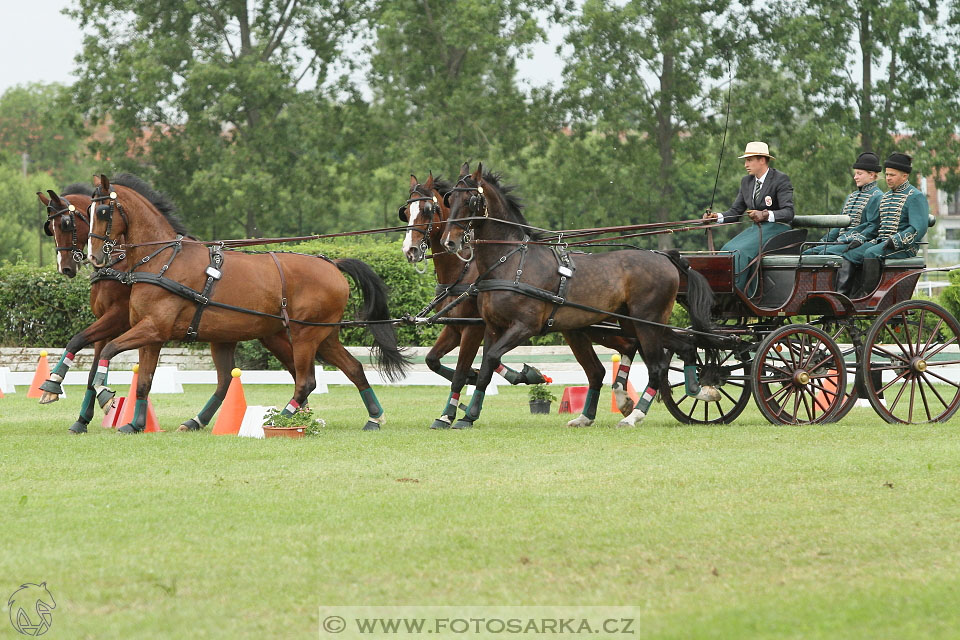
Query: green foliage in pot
[(541, 392), (302, 418)]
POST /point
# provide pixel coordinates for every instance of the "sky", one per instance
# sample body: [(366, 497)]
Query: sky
[(30, 57)]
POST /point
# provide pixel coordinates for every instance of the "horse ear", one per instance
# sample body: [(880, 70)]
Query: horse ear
[(478, 174), (43, 199), (429, 183), (464, 170), (54, 198), (413, 182), (104, 182)]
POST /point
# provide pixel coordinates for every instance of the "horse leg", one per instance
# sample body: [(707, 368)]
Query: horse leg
[(492, 352), (651, 343), (89, 396), (582, 348), (333, 352), (688, 353), (449, 338), (223, 354), (469, 339), (149, 354), (110, 324), (279, 345)]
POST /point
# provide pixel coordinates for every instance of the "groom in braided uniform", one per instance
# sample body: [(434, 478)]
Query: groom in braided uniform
[(904, 217), (863, 207)]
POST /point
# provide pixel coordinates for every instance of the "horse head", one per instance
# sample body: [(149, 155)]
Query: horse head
[(105, 227), (467, 202), (425, 215), (68, 225)]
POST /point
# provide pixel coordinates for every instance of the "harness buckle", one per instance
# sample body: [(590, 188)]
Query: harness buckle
[(283, 303), (213, 273), (565, 271)]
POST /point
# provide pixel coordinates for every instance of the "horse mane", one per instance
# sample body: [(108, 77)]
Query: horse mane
[(514, 203), (77, 188), (159, 200), (442, 186)]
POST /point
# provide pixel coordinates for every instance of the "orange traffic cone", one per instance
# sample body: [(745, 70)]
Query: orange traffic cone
[(630, 390), (231, 412), (41, 375), (113, 415), (129, 405), (829, 386)]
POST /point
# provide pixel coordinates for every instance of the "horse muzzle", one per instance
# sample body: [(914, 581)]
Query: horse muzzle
[(413, 254)]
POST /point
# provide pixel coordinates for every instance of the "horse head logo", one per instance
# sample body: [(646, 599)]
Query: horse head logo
[(30, 609)]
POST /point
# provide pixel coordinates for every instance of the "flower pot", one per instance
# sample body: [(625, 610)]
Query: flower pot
[(539, 406), (284, 432)]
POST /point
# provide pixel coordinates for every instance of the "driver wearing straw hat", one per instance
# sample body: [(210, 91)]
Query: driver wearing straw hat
[(766, 197)]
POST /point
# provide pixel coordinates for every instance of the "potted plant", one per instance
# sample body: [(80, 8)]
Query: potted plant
[(295, 425), (540, 398)]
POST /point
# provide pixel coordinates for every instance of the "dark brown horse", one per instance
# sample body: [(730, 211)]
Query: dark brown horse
[(183, 289), (68, 224), (528, 288), (426, 215)]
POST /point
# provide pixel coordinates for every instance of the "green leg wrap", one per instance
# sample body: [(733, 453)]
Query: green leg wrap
[(590, 404), (86, 407), (476, 405), (446, 372), (453, 403), (646, 400), (690, 381), (371, 403), (140, 415), (206, 414)]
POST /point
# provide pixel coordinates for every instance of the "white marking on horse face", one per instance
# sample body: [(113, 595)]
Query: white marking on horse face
[(89, 248), (412, 212), (59, 258)]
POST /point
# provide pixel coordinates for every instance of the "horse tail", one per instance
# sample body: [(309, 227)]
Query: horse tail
[(699, 294), (391, 361)]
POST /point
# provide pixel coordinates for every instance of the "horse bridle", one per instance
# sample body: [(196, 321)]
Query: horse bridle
[(478, 207), (68, 223), (429, 210), (105, 212)]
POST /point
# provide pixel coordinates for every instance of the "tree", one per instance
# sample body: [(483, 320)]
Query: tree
[(639, 70), (197, 95)]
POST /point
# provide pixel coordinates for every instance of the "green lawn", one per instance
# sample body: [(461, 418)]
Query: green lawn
[(750, 530)]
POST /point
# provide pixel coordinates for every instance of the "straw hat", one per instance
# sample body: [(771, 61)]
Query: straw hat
[(757, 148)]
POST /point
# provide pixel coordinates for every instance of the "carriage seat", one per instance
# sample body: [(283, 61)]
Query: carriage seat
[(786, 243), (820, 261), (916, 262)]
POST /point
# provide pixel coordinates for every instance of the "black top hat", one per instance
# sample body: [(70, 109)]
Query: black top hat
[(868, 162), (899, 161)]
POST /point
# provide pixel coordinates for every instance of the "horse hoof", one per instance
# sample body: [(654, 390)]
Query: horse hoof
[(532, 375), (105, 399), (48, 397), (77, 428), (129, 428), (190, 425), (440, 423), (463, 424), (580, 421), (708, 394), (371, 426)]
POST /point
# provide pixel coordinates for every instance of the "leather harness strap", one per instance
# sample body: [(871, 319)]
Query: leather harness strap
[(283, 296), (214, 274)]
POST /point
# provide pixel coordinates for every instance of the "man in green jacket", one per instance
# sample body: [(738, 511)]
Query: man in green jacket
[(902, 224), (863, 207)]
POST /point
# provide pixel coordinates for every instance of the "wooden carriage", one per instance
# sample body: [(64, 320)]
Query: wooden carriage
[(807, 353)]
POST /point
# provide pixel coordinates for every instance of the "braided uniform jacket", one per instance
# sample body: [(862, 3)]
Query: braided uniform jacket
[(904, 216), (863, 207)]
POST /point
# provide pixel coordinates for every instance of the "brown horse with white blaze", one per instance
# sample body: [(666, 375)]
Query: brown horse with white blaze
[(182, 288), (68, 224)]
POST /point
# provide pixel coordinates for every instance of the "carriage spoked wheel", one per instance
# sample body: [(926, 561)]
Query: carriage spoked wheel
[(849, 334), (798, 375), (717, 368), (912, 347)]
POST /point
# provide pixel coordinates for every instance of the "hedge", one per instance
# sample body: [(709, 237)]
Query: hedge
[(38, 306)]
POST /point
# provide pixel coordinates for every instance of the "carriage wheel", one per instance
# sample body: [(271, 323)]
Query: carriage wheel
[(716, 368), (796, 376), (912, 345), (842, 332)]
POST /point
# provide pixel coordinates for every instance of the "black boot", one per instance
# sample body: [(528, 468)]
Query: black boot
[(871, 274), (846, 278)]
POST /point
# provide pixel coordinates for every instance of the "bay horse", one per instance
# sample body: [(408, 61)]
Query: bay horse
[(185, 289), (526, 288), (426, 216), (68, 224)]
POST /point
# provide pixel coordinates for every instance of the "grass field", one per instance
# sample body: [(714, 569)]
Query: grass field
[(750, 530)]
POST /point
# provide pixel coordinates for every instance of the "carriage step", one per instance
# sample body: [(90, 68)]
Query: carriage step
[(819, 261)]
